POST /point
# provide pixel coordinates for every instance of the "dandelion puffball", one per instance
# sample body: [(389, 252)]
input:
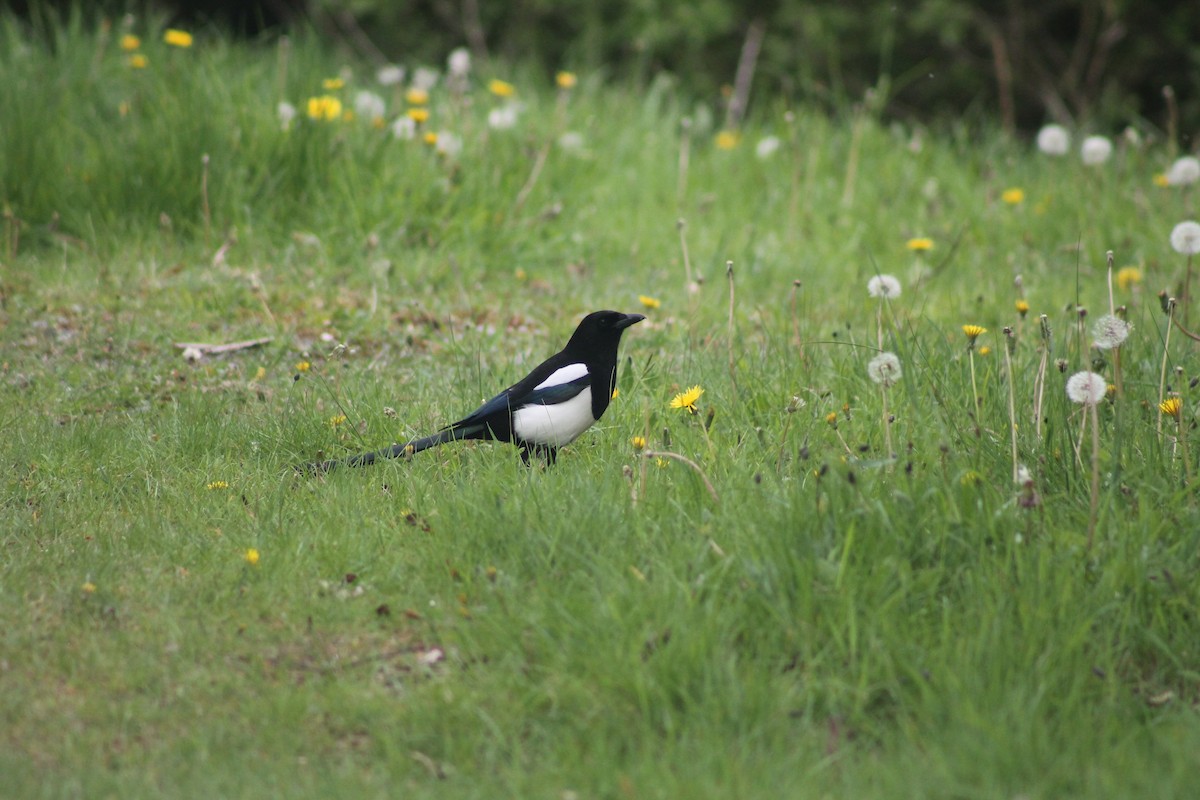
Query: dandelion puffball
[(1053, 140), (459, 62), (767, 146), (1088, 388), (884, 369), (1110, 331), (1185, 238), (369, 105), (1096, 150), (886, 287), (1184, 171), (390, 75)]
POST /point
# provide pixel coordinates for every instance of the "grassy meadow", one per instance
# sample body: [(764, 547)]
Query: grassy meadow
[(846, 593)]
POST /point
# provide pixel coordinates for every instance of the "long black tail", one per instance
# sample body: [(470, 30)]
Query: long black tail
[(395, 451)]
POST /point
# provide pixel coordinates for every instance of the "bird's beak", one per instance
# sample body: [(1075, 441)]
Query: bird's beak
[(630, 319)]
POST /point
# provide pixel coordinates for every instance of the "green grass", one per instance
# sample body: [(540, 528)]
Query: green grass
[(834, 624)]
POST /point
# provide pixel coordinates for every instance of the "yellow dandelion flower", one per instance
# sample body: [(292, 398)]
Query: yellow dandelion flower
[(649, 302), (973, 332), (1160, 180), (520, 274), (332, 84), (566, 80), (138, 61), (326, 107), (501, 88), (1171, 407), (177, 38), (638, 442), (985, 350), (1022, 308), (216, 486), (303, 366), (416, 97), (129, 42), (123, 109), (687, 399), (661, 462), (1127, 277), (260, 373), (616, 393), (336, 419), (919, 244), (418, 115), (727, 140), (251, 557), (429, 138), (831, 418), (88, 587), (1013, 196)]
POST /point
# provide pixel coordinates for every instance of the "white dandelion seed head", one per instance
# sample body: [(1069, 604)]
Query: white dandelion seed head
[(459, 62), (571, 141), (884, 286), (404, 128), (1185, 238), (1053, 140), (369, 105), (503, 118), (449, 144), (390, 75), (1096, 150), (884, 369), (287, 113), (1023, 475), (1110, 331), (767, 146), (1088, 388), (424, 78), (1184, 171)]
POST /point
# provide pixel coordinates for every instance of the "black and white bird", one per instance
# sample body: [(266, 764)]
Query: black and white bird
[(550, 407)]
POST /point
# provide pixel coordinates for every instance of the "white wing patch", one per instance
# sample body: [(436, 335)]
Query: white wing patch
[(571, 372), (558, 424)]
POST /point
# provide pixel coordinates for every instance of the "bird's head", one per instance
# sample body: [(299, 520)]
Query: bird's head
[(602, 328)]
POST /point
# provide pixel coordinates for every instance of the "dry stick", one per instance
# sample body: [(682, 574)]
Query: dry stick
[(1095, 474), (215, 349), (745, 72), (1012, 402), (666, 454), (204, 201), (1162, 375)]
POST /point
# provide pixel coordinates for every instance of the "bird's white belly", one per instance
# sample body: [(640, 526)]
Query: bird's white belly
[(555, 425)]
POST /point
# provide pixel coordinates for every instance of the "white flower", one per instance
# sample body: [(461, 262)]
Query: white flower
[(390, 75), (767, 146), (287, 113), (449, 144), (571, 141), (192, 354), (369, 105), (1184, 171), (1096, 150), (1185, 238), (884, 369), (1110, 332), (424, 78), (1053, 140), (404, 128), (1088, 388), (459, 62), (502, 118), (884, 286)]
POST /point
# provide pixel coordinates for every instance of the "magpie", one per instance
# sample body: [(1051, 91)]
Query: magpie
[(564, 396)]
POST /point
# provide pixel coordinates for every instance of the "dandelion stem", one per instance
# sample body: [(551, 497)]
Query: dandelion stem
[(976, 400), (1095, 501), (1112, 308), (1187, 462), (681, 225), (685, 147), (204, 202), (1012, 402), (531, 181), (1187, 294), (887, 424), (1040, 382), (729, 275), (685, 460), (1162, 375)]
